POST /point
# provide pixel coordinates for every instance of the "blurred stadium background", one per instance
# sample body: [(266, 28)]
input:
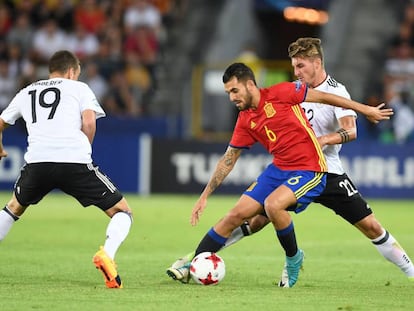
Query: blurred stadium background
[(156, 67)]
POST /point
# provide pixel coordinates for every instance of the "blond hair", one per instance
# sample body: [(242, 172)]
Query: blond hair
[(306, 48)]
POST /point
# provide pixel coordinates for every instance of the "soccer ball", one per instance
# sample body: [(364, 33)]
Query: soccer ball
[(207, 268)]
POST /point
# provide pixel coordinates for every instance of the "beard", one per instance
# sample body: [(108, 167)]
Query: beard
[(247, 102)]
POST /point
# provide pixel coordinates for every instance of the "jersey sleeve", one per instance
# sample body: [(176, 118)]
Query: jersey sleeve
[(292, 93), (89, 101), (12, 112), (241, 138), (339, 111)]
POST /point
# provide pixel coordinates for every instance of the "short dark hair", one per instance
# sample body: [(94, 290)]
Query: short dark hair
[(239, 70), (62, 61)]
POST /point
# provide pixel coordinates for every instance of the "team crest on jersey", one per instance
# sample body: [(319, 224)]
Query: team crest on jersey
[(252, 124), (269, 110)]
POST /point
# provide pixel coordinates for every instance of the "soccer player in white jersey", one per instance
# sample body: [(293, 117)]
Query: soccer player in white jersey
[(333, 126), (60, 115)]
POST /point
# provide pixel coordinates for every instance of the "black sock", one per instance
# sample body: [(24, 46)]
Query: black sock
[(212, 242), (287, 239)]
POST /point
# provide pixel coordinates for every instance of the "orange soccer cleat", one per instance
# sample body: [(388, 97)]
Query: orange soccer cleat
[(108, 268)]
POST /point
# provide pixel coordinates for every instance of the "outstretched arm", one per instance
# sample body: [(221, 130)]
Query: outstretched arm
[(373, 114), (224, 166)]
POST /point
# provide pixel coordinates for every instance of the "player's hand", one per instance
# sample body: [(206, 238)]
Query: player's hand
[(198, 209), (3, 154), (322, 141), (379, 113)]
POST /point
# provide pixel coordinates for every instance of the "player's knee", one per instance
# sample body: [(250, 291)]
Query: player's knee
[(273, 206), (120, 207), (234, 218)]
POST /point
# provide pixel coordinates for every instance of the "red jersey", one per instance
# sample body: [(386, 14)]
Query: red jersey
[(281, 126)]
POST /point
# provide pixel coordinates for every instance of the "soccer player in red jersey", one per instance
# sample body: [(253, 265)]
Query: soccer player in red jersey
[(274, 118)]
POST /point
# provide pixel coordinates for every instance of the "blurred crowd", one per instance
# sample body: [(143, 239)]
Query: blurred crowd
[(398, 81), (120, 45), (118, 42)]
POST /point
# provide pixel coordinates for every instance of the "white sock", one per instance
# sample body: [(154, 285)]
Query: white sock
[(238, 234), (116, 232), (388, 246), (7, 220)]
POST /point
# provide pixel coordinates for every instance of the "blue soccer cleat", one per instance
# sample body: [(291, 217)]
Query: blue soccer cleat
[(291, 269)]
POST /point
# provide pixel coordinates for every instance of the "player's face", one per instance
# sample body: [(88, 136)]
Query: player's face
[(239, 93), (306, 69)]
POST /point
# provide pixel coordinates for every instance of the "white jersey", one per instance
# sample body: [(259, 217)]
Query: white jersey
[(52, 110), (324, 120)]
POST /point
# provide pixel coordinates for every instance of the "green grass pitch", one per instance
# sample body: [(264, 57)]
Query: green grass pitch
[(46, 260)]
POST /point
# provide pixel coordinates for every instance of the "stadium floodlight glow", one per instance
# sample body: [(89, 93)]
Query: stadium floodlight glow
[(305, 15)]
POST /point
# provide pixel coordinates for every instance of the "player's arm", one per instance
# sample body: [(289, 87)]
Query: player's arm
[(347, 132), (3, 126), (373, 114), (89, 124), (223, 168)]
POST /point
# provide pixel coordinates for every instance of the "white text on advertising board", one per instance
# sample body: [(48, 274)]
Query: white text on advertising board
[(380, 171), (369, 171), (197, 167)]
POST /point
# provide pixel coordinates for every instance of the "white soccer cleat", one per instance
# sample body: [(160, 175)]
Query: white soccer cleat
[(180, 262), (180, 270), (284, 279)]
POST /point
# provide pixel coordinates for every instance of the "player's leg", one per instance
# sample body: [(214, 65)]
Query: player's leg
[(348, 203), (179, 269), (9, 215), (116, 232), (298, 190), (386, 244), (249, 227), (276, 205), (118, 227), (90, 186), (216, 237), (33, 183), (212, 241)]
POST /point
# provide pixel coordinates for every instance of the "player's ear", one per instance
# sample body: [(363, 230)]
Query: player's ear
[(70, 73), (250, 84), (318, 61)]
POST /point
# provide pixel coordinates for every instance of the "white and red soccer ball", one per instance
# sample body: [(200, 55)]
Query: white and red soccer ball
[(207, 269)]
